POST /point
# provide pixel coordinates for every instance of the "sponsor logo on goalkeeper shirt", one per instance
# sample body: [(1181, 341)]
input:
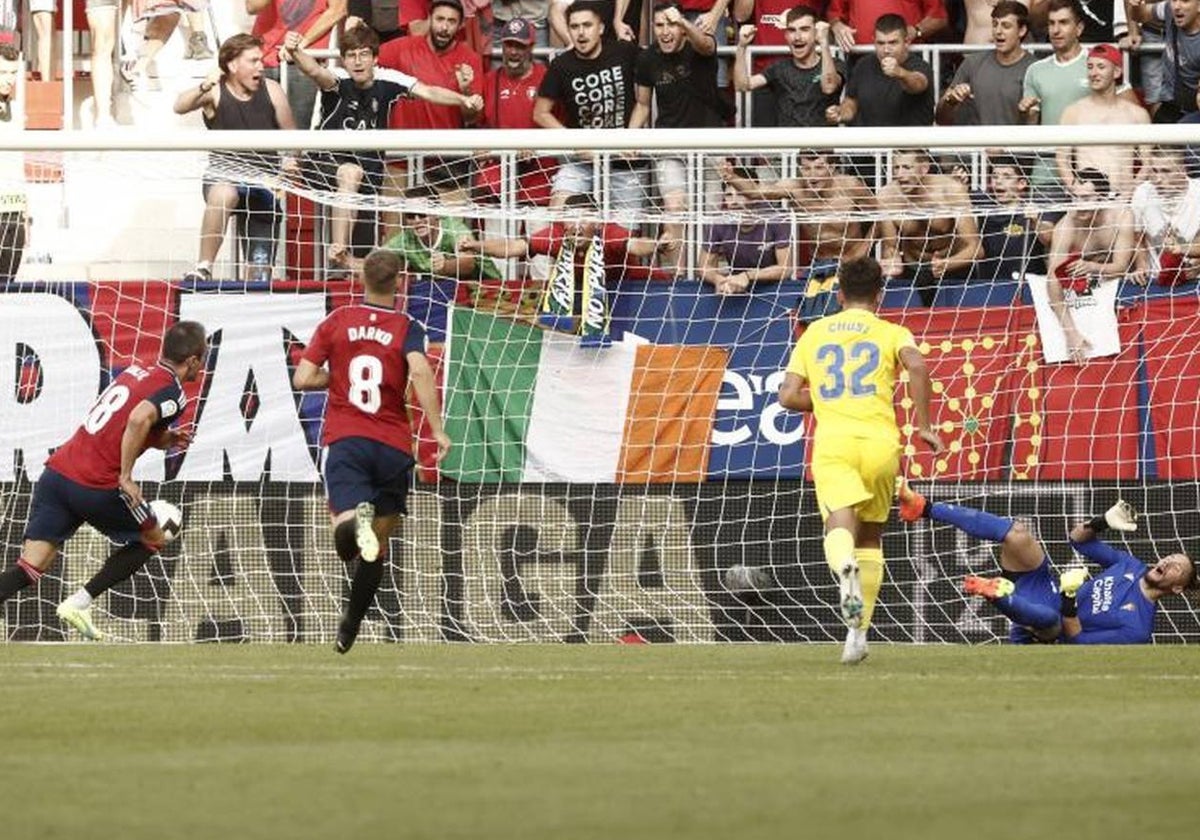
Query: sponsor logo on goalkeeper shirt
[(1102, 594)]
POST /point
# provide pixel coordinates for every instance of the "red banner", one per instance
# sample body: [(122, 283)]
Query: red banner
[(977, 362), (1171, 336), (1089, 417)]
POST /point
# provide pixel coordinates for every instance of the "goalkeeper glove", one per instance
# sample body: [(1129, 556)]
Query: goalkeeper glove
[(1119, 517), (1071, 579)]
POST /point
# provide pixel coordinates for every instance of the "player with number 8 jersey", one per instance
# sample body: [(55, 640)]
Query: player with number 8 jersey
[(366, 355), (844, 370), (366, 348)]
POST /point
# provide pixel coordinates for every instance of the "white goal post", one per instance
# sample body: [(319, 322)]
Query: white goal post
[(600, 492)]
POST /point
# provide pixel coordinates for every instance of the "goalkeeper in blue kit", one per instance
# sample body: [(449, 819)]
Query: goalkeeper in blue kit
[(1116, 607)]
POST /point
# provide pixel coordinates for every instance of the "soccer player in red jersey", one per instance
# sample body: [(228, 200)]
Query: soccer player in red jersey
[(90, 477), (365, 355)]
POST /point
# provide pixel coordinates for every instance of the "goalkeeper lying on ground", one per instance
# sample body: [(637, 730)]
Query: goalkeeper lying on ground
[(1116, 607)]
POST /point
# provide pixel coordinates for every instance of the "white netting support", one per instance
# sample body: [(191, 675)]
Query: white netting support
[(596, 492)]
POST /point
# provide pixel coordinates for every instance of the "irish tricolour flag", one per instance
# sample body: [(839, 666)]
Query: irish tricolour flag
[(527, 404)]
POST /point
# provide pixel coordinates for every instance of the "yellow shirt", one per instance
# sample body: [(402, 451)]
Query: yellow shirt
[(849, 361)]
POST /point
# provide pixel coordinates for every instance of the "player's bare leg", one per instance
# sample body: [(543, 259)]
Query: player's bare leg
[(1020, 550)]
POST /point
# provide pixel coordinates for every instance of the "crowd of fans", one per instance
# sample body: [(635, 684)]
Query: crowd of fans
[(450, 64)]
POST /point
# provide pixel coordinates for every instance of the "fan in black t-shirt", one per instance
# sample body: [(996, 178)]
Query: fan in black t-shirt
[(679, 73), (593, 84)]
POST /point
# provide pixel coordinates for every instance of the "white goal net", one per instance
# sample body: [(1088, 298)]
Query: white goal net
[(609, 367)]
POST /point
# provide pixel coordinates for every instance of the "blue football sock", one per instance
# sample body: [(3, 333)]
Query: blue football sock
[(1026, 613), (977, 523)]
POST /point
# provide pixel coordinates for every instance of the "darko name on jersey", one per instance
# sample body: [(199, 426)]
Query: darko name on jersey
[(369, 334)]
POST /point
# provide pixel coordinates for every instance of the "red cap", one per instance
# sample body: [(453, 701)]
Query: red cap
[(1108, 52)]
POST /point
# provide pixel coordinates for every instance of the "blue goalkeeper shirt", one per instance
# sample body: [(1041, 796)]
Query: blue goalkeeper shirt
[(1112, 608)]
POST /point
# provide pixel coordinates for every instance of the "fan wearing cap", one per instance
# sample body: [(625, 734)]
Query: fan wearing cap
[(509, 91), (533, 12), (1092, 244), (1102, 106)]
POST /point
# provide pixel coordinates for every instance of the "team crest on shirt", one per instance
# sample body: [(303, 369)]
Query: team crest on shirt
[(1128, 607)]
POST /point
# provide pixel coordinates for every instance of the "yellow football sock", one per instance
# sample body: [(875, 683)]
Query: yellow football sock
[(839, 547), (870, 573)]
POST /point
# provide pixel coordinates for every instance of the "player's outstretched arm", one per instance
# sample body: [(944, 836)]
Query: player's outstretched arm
[(309, 377), (794, 393), (922, 395), (420, 374), (1084, 536)]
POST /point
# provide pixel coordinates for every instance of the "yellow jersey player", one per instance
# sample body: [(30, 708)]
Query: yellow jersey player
[(844, 370)]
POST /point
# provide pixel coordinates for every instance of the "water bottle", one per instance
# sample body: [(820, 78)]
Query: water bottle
[(260, 263)]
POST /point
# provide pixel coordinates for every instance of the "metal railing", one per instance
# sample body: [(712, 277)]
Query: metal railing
[(931, 53)]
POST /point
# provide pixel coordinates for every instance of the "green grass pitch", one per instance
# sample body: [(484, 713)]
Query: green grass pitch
[(571, 742)]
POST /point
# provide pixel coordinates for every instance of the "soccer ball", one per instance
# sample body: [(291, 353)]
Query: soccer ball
[(170, 518)]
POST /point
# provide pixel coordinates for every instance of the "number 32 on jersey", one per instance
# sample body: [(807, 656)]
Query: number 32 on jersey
[(848, 370)]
